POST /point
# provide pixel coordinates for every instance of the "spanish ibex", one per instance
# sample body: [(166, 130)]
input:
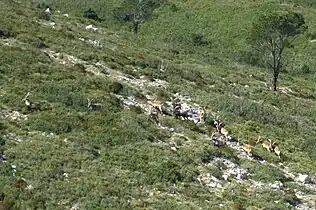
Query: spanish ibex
[(31, 106), (177, 111), (202, 114), (247, 148), (219, 127), (267, 144), (157, 105), (163, 67), (94, 106), (218, 139), (154, 114), (276, 149)]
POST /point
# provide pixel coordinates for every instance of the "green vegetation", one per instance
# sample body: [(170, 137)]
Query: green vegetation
[(272, 34), (117, 158)]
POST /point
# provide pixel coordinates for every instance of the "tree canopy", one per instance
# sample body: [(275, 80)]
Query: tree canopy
[(272, 33)]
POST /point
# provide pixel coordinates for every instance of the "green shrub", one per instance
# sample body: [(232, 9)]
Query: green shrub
[(57, 122), (115, 87), (306, 69), (198, 40), (32, 40), (80, 67), (309, 147), (266, 173), (67, 94), (136, 109), (44, 15)]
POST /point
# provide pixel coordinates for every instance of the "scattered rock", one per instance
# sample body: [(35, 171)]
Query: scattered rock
[(230, 169), (52, 24), (29, 187), (307, 202), (95, 43), (91, 27), (303, 178), (13, 170), (277, 185), (48, 10), (75, 207), (12, 115), (209, 181), (256, 184), (13, 137)]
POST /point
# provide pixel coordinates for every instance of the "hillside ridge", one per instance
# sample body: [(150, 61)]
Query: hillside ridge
[(55, 157)]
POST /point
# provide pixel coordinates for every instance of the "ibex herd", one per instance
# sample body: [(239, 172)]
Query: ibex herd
[(177, 110), (198, 116), (271, 147), (221, 135), (267, 144)]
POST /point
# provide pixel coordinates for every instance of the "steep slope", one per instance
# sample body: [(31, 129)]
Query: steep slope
[(66, 157)]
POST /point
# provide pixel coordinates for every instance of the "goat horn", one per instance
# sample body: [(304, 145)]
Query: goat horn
[(27, 95)]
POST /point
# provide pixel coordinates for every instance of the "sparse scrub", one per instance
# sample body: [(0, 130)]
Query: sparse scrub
[(44, 15), (266, 173), (306, 69), (197, 40), (115, 87), (32, 40), (58, 123), (117, 151)]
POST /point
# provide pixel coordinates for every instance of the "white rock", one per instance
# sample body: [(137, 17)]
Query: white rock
[(302, 178), (277, 185), (47, 10), (173, 149), (66, 15), (75, 207), (91, 27), (225, 176), (52, 24), (30, 187)]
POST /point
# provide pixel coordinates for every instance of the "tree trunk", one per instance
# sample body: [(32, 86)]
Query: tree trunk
[(275, 82), (135, 27)]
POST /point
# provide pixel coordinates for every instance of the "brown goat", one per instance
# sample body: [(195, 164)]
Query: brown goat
[(267, 144)]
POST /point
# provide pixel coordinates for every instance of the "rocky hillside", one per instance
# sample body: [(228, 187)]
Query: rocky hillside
[(78, 128)]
